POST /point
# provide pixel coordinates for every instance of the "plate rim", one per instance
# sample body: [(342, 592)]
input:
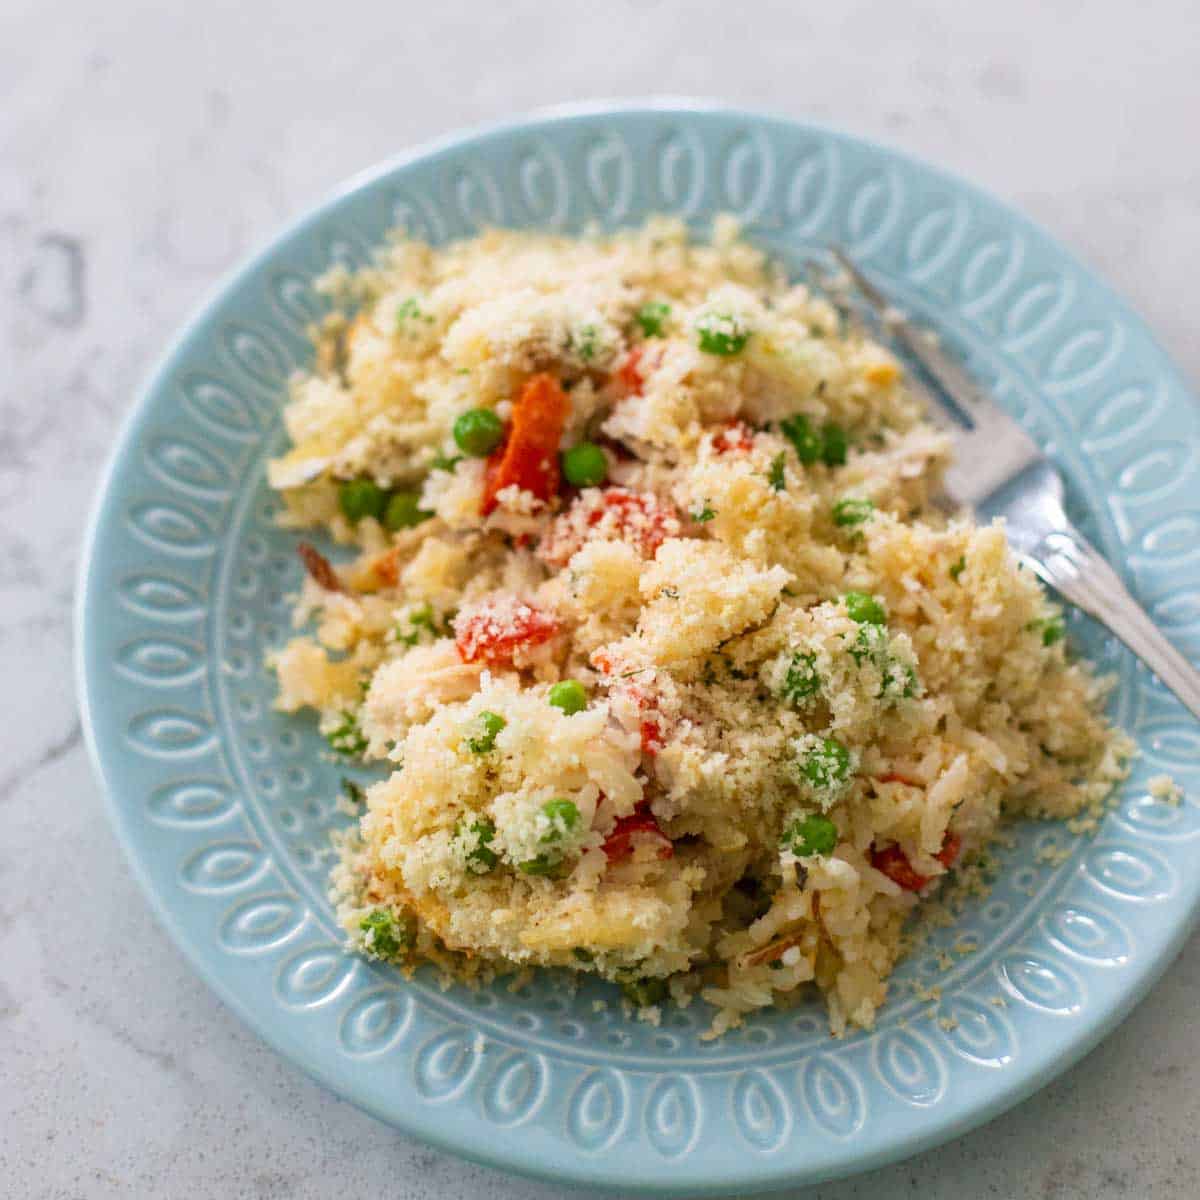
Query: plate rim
[(758, 1175)]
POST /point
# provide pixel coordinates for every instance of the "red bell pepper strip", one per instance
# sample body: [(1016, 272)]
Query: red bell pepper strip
[(893, 862), (619, 843), (529, 455)]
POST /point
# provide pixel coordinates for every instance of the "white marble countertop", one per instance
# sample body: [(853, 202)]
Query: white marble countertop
[(144, 149)]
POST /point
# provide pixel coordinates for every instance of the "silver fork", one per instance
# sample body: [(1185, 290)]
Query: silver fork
[(1000, 472)]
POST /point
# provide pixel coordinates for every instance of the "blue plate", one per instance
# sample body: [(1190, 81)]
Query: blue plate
[(225, 807)]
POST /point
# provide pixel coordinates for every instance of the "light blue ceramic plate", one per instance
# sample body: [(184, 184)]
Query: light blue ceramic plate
[(225, 807)]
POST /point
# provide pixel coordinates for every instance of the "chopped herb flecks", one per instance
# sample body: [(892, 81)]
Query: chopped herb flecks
[(852, 511), (346, 740), (722, 334), (775, 475), (476, 839)]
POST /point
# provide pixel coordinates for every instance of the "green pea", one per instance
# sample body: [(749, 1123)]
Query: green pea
[(802, 681), (478, 432), (360, 498), (651, 317), (585, 465), (570, 696), (834, 445), (813, 834), (404, 511), (491, 724), (865, 609), (852, 511), (721, 334), (826, 764), (384, 936)]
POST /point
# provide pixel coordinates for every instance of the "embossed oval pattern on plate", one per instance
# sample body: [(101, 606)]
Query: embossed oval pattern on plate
[(1153, 470), (258, 925), (1120, 418), (413, 213), (934, 239), (171, 733), (1148, 816), (161, 597), (761, 1112), (596, 1111), (258, 354), (608, 169), (220, 408), (542, 180), (172, 528), (1035, 310), (811, 190), (989, 271), (445, 1064), (376, 1021), (833, 1095), (1130, 871), (910, 1066), (152, 661), (477, 198), (1089, 933), (1042, 983), (223, 867), (314, 976), (872, 211), (672, 1115), (679, 173), (190, 467), (296, 300), (1172, 539), (192, 802), (748, 176), (978, 1031), (516, 1089)]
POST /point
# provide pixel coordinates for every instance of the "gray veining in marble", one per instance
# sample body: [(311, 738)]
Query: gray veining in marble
[(144, 149)]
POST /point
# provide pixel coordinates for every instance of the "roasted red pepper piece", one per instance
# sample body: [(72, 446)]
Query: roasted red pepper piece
[(896, 777), (616, 513), (735, 436), (629, 372), (652, 738), (619, 843), (893, 862), (529, 455), (494, 630)]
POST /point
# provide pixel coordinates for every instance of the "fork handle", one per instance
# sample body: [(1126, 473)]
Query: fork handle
[(1072, 566)]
